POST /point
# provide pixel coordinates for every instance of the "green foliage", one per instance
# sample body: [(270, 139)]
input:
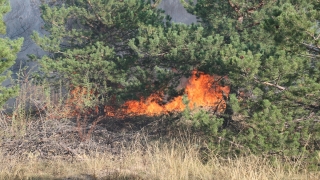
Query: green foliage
[(88, 46), (268, 50), (8, 54), (201, 120), (268, 133), (4, 8)]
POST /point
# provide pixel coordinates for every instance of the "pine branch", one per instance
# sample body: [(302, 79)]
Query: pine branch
[(98, 17), (250, 10)]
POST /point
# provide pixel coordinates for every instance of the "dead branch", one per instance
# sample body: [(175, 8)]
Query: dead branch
[(312, 47), (273, 85)]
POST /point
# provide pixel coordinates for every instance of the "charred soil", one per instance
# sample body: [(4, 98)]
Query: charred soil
[(68, 138)]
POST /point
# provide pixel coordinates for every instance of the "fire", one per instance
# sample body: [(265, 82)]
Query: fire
[(201, 90), (150, 106)]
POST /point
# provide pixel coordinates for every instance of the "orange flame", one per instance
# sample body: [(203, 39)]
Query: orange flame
[(202, 91)]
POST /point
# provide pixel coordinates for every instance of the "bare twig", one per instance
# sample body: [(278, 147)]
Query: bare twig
[(274, 85), (93, 126)]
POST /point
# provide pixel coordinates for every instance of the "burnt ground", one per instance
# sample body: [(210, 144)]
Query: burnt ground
[(68, 138)]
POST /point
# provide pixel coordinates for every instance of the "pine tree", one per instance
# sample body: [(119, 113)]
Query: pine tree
[(270, 53), (8, 54), (88, 46)]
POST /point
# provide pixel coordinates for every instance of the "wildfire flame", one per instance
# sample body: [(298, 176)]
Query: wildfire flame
[(201, 89)]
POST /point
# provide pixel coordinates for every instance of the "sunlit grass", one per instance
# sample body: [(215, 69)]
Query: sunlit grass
[(157, 161)]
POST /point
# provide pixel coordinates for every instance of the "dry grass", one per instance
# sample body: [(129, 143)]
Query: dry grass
[(166, 161), (34, 102)]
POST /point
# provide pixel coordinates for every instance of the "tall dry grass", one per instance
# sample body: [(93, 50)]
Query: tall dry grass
[(158, 161), (34, 102)]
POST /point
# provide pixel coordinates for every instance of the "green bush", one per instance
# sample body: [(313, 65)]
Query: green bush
[(88, 46), (268, 133)]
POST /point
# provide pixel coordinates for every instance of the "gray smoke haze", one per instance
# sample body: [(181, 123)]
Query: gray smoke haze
[(25, 18)]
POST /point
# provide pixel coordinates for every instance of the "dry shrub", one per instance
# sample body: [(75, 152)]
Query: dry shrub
[(36, 101)]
